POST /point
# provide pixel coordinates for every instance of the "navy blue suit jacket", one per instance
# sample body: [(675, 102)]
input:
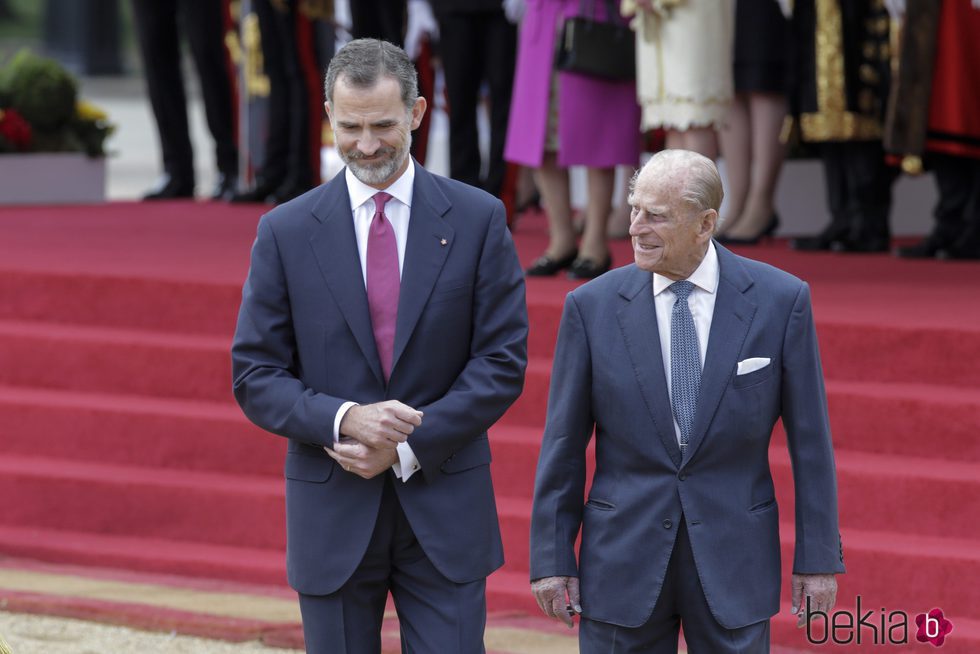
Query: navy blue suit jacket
[(609, 374), (304, 345)]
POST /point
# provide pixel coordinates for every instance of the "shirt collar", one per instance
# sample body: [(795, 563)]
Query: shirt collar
[(705, 277), (401, 190)]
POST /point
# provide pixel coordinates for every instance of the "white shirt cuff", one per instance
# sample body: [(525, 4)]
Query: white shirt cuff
[(341, 412), (407, 464)]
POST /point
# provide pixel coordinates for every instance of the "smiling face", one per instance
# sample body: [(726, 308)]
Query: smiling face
[(373, 129), (670, 235)]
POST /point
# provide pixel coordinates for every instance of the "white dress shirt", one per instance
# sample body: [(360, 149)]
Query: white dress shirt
[(702, 304), (398, 210)]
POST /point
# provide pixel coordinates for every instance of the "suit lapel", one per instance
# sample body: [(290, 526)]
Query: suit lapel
[(430, 238), (335, 248), (638, 322), (729, 325)]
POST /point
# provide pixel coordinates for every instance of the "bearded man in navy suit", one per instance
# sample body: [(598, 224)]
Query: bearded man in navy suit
[(682, 364), (383, 330)]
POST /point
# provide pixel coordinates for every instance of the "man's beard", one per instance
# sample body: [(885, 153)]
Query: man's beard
[(381, 172)]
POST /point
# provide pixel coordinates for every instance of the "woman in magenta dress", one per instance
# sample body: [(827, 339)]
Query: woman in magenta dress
[(560, 119)]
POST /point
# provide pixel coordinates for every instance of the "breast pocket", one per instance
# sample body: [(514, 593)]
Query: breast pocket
[(755, 377)]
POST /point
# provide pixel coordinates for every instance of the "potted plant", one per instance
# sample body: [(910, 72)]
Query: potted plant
[(51, 143)]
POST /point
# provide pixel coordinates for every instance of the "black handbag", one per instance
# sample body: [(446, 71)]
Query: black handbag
[(603, 49)]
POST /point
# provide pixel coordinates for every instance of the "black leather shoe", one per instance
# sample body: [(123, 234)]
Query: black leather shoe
[(589, 269), (767, 231), (966, 248), (225, 187), (865, 245), (285, 193), (545, 266), (821, 242), (257, 194), (170, 188), (927, 248)]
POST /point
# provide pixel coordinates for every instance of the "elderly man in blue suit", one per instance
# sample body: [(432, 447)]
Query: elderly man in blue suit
[(681, 364), (383, 329)]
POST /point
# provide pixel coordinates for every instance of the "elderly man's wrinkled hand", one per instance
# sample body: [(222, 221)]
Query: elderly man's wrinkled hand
[(822, 591), (558, 597)]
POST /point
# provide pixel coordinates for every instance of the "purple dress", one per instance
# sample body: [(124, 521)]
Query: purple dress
[(598, 121)]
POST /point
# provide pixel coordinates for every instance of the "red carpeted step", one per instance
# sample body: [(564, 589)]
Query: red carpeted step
[(850, 350), (138, 431), (110, 360), (123, 302), (126, 552), (204, 507), (932, 568), (921, 493), (887, 417)]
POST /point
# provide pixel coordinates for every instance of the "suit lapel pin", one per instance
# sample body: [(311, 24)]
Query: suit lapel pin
[(443, 242)]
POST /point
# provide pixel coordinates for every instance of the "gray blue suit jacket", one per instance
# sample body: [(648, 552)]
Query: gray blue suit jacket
[(609, 375), (304, 345)]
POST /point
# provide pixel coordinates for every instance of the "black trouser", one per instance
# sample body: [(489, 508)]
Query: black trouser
[(858, 189), (202, 22), (957, 211), (288, 159), (379, 19), (477, 46)]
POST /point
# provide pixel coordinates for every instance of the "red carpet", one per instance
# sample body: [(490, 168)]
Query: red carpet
[(121, 445)]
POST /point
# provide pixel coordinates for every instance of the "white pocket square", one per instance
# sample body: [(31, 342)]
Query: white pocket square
[(751, 365)]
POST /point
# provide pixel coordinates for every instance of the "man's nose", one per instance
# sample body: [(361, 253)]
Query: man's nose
[(367, 143)]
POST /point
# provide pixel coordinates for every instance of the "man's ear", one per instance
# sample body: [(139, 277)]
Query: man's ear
[(418, 110), (326, 107), (708, 223)]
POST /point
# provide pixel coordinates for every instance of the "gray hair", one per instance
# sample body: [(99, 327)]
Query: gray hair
[(363, 62), (702, 183)]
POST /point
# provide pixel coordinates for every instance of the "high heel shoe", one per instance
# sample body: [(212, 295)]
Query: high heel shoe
[(545, 266), (766, 233), (589, 269)]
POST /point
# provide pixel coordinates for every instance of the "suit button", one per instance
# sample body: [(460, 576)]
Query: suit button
[(668, 524), (682, 476)]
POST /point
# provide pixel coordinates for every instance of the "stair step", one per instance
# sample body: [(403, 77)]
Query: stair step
[(143, 502), (875, 491), (875, 417), (851, 349), (142, 363), (158, 555), (932, 568), (138, 431), (167, 305)]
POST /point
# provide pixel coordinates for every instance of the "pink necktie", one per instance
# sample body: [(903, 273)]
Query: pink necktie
[(383, 282)]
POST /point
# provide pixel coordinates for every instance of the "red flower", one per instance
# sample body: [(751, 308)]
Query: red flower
[(15, 129), (933, 627)]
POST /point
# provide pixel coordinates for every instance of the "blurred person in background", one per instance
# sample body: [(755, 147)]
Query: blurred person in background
[(159, 26), (684, 68), (477, 43), (840, 87), (934, 114), (750, 134), (561, 119), (295, 115)]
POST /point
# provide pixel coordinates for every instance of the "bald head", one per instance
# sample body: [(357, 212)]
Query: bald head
[(693, 176), (674, 199)]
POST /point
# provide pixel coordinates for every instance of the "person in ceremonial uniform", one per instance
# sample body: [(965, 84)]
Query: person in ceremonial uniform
[(842, 70), (934, 115)]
